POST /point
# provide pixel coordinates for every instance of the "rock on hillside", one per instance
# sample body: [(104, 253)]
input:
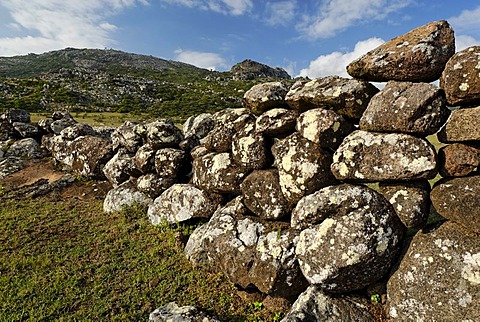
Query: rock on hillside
[(249, 69)]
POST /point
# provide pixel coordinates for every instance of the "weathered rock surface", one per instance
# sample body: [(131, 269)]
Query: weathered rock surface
[(219, 139), (277, 122), (171, 163), (154, 185), (26, 148), (355, 245), (457, 199), (198, 125), (250, 149), (179, 203), (27, 130), (124, 195), (16, 115), (265, 96), (458, 160), (347, 97), (162, 133), (144, 159), (371, 157), (314, 305), (417, 108), (417, 56), (10, 165), (263, 196), (249, 251), (76, 130), (324, 127), (118, 169), (217, 173), (460, 79), (57, 126), (410, 200), (462, 126), (126, 136), (232, 117), (171, 312), (438, 279), (7, 131), (303, 166)]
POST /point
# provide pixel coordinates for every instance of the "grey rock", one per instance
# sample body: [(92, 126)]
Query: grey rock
[(15, 115), (144, 159), (219, 139), (277, 122), (124, 195), (105, 132), (347, 97), (154, 185), (314, 305), (411, 201), (250, 149), (303, 166), (180, 203), (417, 56), (58, 125), (438, 278), (171, 312), (371, 157), (457, 200), (163, 133), (171, 163), (126, 136), (61, 115), (462, 126), (27, 130), (76, 130), (355, 245), (324, 127), (417, 108), (10, 165), (265, 96), (26, 148), (263, 196), (117, 170), (198, 152), (198, 125)]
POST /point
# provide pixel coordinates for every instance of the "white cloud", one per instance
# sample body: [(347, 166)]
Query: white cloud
[(337, 15), (232, 7), (335, 63), (464, 41), (54, 24), (468, 20), (205, 60), (280, 13)]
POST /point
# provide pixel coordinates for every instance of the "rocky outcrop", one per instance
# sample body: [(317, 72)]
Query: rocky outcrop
[(249, 69)]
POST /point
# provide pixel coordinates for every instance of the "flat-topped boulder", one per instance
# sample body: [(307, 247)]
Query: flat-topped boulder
[(265, 96)]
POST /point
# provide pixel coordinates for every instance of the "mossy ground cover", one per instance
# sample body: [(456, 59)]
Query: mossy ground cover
[(66, 260)]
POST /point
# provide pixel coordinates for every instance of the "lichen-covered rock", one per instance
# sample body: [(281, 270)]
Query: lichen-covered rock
[(371, 157), (458, 199), (410, 200), (57, 126), (250, 149), (154, 185), (61, 115), (303, 166), (7, 131), (26, 148), (198, 152), (198, 125), (324, 127), (458, 160), (314, 305), (189, 143), (461, 78), (27, 130), (217, 172), (76, 130), (171, 312), (10, 165), (355, 244), (171, 163), (118, 169), (263, 97), (406, 107), (180, 203), (463, 125), (16, 115), (219, 139), (248, 250), (347, 97), (126, 136), (162, 133), (44, 125), (438, 278), (144, 159), (124, 195), (277, 122), (230, 116), (263, 196), (417, 56), (105, 132)]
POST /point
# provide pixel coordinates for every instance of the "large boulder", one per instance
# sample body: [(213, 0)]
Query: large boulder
[(462, 126), (250, 149), (220, 138), (458, 160), (324, 127), (127, 136), (457, 199), (180, 203), (438, 278), (263, 97), (303, 166), (124, 195), (417, 56), (371, 157), (251, 252), (417, 108), (198, 125), (217, 172), (118, 169), (315, 305), (263, 195), (171, 163), (162, 133), (154, 185), (277, 122), (347, 97), (460, 79), (144, 159), (352, 237)]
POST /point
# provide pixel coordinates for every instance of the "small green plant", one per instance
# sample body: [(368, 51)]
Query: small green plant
[(257, 306), (375, 298), (278, 316)]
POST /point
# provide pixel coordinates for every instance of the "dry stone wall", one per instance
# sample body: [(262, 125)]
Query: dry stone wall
[(315, 187)]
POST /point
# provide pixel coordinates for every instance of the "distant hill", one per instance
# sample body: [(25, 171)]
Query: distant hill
[(111, 80)]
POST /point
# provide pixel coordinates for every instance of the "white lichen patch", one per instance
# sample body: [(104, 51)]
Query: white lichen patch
[(463, 87), (220, 161), (249, 231), (471, 268)]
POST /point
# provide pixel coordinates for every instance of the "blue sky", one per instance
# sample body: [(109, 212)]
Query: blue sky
[(309, 38)]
